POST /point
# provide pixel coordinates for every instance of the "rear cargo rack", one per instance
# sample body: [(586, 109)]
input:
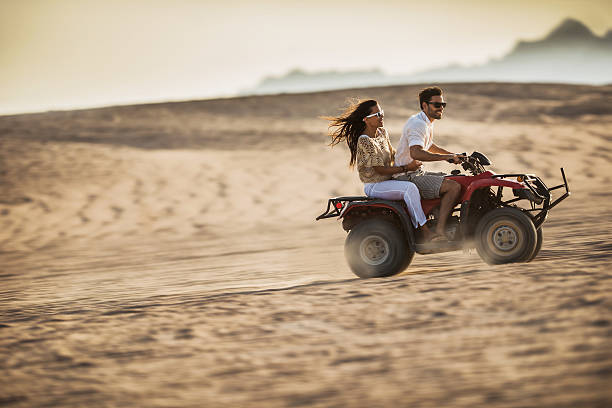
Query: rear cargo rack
[(335, 206)]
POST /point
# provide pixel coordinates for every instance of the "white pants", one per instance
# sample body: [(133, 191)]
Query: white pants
[(397, 190)]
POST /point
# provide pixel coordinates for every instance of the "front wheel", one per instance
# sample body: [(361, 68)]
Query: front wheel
[(505, 235), (377, 248), (540, 239)]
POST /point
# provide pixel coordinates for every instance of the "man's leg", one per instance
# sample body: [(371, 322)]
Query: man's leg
[(449, 193)]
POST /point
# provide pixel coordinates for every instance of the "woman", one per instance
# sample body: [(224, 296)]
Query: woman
[(361, 125)]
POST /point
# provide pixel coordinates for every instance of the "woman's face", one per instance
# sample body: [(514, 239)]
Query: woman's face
[(375, 118)]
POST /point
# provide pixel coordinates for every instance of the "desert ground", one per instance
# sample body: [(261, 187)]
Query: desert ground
[(167, 255)]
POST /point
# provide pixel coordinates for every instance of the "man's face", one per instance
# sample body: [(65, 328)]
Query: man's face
[(434, 107)]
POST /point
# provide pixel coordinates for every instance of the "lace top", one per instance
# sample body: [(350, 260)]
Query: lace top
[(374, 151)]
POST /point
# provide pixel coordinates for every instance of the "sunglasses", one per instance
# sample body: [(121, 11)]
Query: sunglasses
[(380, 114), (437, 104)]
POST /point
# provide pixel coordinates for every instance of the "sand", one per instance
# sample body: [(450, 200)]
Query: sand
[(167, 255)]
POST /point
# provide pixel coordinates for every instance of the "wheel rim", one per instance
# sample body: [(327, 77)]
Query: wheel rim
[(374, 250), (505, 238)]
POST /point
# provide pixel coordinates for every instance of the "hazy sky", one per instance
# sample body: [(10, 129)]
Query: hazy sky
[(63, 54)]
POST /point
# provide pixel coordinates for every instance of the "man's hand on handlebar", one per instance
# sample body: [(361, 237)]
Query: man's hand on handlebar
[(456, 158)]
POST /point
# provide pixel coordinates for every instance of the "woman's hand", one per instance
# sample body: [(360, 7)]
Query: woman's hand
[(414, 165)]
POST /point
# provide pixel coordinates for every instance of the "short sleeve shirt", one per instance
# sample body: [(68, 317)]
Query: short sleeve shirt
[(374, 151), (418, 131)]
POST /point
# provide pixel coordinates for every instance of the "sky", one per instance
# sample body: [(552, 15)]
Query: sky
[(68, 54)]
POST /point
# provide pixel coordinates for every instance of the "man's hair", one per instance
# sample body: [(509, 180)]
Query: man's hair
[(426, 94)]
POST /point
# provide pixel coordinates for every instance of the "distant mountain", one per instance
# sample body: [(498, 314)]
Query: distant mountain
[(301, 81), (569, 39), (570, 53)]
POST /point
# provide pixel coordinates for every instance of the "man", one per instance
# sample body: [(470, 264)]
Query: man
[(417, 143)]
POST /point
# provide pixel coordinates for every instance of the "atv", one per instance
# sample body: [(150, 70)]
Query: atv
[(381, 240)]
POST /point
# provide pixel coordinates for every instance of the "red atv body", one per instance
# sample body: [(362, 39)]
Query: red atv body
[(381, 240)]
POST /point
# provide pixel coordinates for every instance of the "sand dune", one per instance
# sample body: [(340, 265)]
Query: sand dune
[(167, 255)]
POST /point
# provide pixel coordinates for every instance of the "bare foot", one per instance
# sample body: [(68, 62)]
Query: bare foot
[(428, 234), (441, 231), (439, 236)]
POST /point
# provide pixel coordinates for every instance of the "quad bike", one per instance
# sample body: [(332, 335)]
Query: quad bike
[(381, 240)]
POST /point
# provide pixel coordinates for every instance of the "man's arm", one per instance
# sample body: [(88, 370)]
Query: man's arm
[(437, 149), (418, 153)]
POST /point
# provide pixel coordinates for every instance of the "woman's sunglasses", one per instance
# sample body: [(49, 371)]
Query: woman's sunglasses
[(438, 105), (377, 114)]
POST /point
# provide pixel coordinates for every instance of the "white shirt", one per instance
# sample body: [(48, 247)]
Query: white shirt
[(418, 131)]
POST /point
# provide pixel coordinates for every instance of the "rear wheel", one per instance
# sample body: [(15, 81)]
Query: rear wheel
[(505, 235), (377, 248)]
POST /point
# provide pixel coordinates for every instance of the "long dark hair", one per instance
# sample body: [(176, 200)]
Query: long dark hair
[(350, 125)]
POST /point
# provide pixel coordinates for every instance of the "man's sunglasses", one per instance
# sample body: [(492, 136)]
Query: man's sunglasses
[(377, 114), (437, 104)]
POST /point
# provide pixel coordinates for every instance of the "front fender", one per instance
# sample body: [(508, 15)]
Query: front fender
[(478, 184)]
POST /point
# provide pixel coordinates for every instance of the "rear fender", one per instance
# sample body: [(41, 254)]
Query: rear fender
[(356, 212)]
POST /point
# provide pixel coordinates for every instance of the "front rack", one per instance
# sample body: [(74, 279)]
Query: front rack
[(538, 193)]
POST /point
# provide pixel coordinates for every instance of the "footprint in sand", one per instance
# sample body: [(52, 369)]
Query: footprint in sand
[(84, 219), (222, 189), (137, 188), (117, 211)]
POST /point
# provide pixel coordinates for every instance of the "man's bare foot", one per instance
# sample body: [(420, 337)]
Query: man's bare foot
[(428, 234), (440, 232), (439, 238)]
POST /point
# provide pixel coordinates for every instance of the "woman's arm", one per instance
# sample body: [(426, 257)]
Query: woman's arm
[(391, 148), (367, 157), (390, 170)]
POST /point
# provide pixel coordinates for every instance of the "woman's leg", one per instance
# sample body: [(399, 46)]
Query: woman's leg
[(398, 190)]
